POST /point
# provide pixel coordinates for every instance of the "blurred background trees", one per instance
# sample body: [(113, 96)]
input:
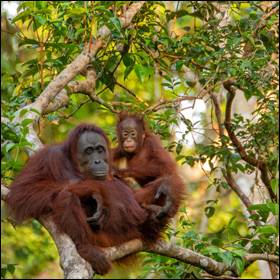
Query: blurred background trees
[(205, 74)]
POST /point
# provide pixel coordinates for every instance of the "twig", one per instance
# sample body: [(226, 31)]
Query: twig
[(77, 109), (162, 103), (131, 93), (218, 114), (263, 19), (104, 89)]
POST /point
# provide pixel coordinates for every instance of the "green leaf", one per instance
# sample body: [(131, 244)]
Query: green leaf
[(267, 229), (140, 72), (23, 112), (167, 78), (189, 160), (128, 71), (225, 185), (240, 264), (40, 20), (179, 148), (3, 272), (22, 16), (41, 5), (179, 64), (26, 122), (274, 185), (209, 211), (77, 11), (28, 41), (116, 25), (9, 146), (273, 207), (36, 227), (217, 242), (227, 257), (167, 85), (128, 59), (212, 250), (11, 268), (261, 207), (35, 111), (255, 217)]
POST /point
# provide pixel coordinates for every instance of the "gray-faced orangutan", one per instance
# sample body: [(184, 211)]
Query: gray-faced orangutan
[(71, 182), (143, 158)]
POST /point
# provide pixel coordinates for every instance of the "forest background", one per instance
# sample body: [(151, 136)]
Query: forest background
[(206, 77)]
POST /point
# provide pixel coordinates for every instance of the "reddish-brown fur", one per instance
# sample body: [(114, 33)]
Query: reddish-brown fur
[(150, 165), (51, 184)]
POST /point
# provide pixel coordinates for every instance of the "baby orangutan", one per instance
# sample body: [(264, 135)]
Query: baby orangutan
[(151, 166)]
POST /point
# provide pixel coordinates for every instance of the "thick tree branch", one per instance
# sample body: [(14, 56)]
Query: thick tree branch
[(265, 257), (61, 100), (73, 266), (64, 77), (86, 86), (4, 192)]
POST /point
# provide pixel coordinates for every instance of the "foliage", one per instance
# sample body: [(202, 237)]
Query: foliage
[(25, 256), (171, 50)]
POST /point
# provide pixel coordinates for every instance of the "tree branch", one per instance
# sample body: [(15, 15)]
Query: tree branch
[(228, 176), (260, 164), (264, 18), (265, 257), (99, 100), (218, 114), (188, 256), (73, 266), (244, 198), (86, 86), (65, 76)]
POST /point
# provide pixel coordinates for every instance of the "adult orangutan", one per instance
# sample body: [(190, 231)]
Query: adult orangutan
[(149, 164), (71, 182)]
